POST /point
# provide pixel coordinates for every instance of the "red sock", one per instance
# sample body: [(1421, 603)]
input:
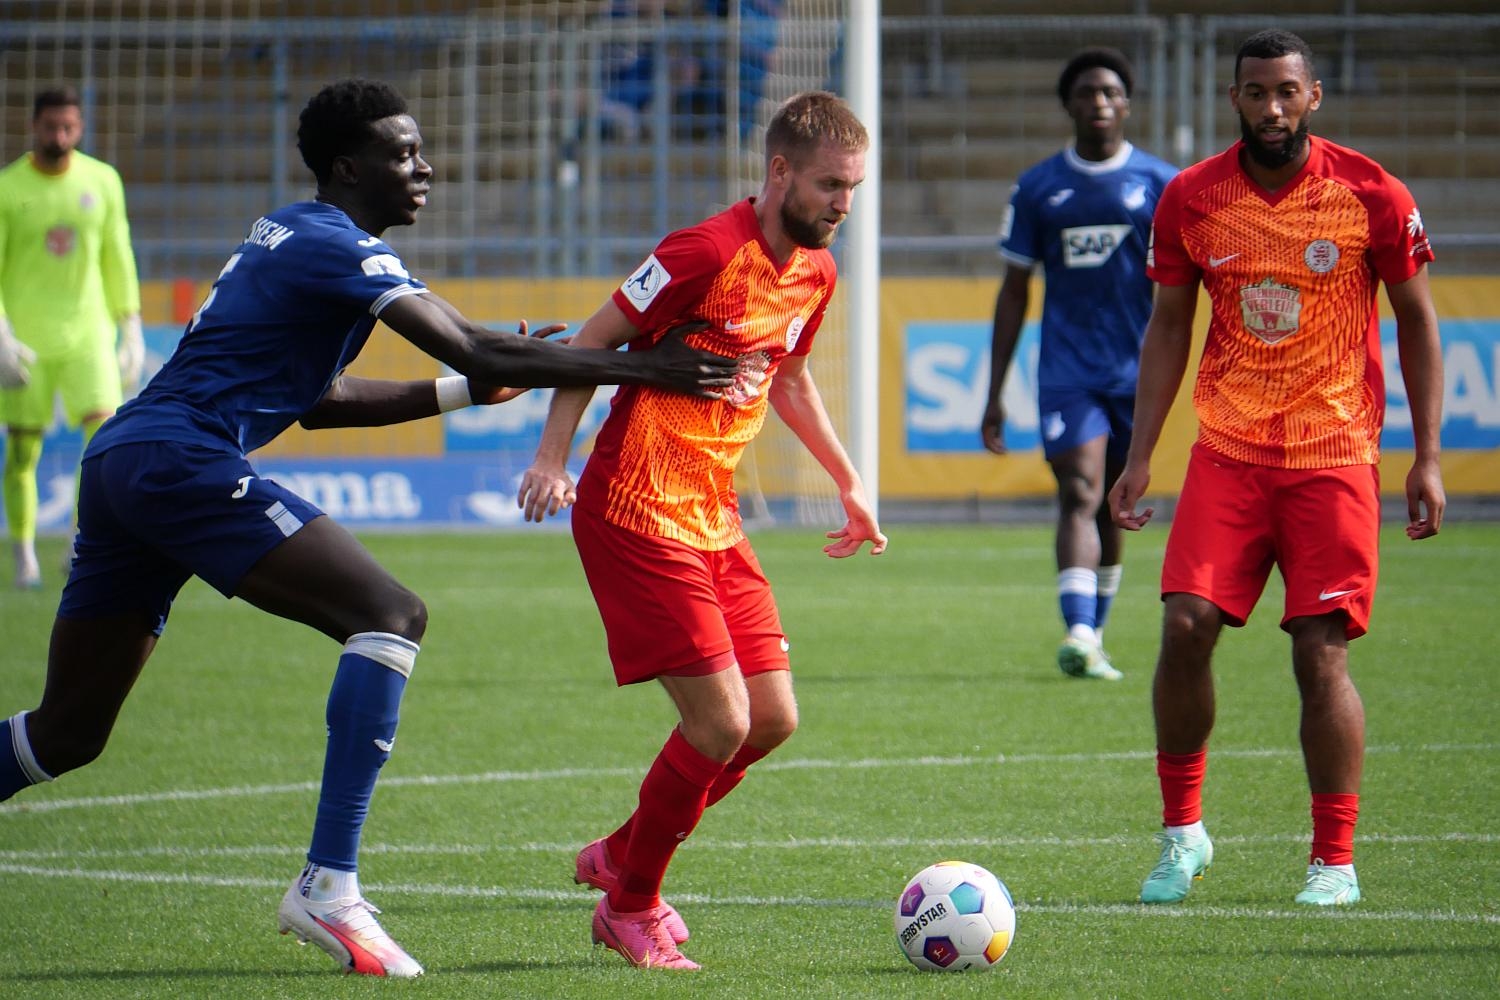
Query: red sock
[(734, 771), (673, 798), (617, 843), (1181, 776), (1334, 815)]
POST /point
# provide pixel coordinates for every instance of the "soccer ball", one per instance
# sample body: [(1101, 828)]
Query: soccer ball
[(954, 916)]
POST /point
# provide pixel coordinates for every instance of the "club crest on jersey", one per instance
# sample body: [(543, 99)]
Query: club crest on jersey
[(748, 379), (794, 333), (60, 240), (1271, 311), (642, 286), (1321, 256), (1092, 246)]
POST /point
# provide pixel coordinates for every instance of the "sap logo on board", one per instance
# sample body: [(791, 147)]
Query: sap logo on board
[(947, 373), (1471, 386)]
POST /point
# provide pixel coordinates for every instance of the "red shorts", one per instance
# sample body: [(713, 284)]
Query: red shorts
[(1235, 521), (669, 608)]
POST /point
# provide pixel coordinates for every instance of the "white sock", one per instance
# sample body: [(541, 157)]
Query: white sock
[(1343, 869), (321, 884), (1191, 830), (1083, 633)]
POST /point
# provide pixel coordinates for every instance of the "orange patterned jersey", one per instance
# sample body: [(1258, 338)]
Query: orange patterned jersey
[(663, 463), (1291, 374)]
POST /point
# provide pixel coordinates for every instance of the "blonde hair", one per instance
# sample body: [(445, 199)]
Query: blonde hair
[(807, 120)]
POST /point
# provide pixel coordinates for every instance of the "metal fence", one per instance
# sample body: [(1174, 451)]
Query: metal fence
[(547, 171)]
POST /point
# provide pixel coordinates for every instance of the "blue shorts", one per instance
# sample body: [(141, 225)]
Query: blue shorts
[(152, 514), (1071, 417)]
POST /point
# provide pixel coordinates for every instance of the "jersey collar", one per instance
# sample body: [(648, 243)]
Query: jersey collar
[(1095, 167)]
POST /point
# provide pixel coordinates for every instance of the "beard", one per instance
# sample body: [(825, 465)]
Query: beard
[(801, 231), (1271, 158)]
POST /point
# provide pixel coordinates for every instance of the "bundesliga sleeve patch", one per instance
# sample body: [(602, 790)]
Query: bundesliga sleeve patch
[(383, 263), (641, 288)]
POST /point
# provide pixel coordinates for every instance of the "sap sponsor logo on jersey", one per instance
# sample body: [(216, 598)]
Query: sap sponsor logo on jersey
[(947, 374), (1471, 386), (641, 288), (1092, 246)]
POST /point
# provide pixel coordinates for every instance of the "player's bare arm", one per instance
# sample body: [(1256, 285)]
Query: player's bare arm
[(795, 397), (497, 357), (352, 401), (1164, 358), (1010, 313), (1422, 371)]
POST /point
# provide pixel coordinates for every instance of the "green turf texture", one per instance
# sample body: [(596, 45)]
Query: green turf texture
[(935, 725)]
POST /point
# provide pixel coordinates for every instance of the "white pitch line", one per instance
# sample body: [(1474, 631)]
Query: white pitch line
[(560, 895), (713, 844), (24, 806)]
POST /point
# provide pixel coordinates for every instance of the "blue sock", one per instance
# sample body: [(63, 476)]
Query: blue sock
[(363, 707), (18, 766), (1076, 590), (1109, 586)]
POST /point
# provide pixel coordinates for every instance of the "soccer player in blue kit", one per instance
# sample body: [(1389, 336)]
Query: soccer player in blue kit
[(1085, 215), (167, 491)]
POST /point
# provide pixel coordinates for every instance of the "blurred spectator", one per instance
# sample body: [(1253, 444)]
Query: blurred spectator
[(696, 67), (759, 25)]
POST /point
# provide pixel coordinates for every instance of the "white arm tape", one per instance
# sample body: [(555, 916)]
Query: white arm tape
[(452, 393)]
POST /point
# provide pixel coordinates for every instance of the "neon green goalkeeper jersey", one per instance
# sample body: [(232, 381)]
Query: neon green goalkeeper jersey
[(66, 269)]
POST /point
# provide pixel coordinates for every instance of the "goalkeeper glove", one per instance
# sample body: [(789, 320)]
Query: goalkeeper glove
[(131, 353), (14, 358)]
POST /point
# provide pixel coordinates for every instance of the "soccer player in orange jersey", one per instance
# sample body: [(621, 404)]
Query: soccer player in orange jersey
[(1290, 235), (657, 523)]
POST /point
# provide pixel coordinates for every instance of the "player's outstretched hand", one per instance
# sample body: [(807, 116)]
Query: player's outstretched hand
[(545, 491), (672, 364), (1424, 492), (992, 428), (1126, 493), (491, 395), (15, 359), (860, 527)]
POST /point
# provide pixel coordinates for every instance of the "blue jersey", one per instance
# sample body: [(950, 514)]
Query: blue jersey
[(290, 310), (1088, 223)]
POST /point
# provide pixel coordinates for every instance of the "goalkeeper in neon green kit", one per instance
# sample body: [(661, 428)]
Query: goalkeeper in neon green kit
[(67, 283)]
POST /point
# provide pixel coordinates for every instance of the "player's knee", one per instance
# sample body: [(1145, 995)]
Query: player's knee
[(60, 749), (771, 729), (1079, 497), (402, 613), (1189, 624), (718, 737)]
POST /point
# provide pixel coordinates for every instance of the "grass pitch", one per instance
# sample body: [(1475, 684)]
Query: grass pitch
[(934, 725)]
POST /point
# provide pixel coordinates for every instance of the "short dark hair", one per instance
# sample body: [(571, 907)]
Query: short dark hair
[(64, 96), (1273, 43), (336, 122), (809, 119), (1095, 58)]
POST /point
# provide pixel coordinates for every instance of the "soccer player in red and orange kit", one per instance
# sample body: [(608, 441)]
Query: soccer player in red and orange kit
[(1290, 235), (657, 520)]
